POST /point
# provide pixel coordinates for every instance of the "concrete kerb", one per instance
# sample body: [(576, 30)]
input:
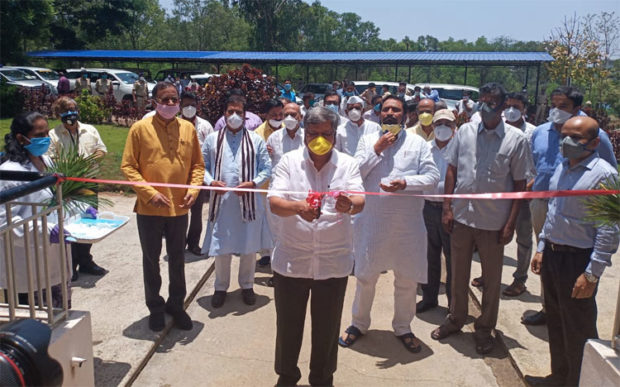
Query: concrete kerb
[(188, 300)]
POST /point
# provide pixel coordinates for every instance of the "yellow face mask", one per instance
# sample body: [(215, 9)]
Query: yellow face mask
[(426, 119), (392, 128), (320, 146)]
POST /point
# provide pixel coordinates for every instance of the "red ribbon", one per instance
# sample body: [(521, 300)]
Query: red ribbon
[(487, 196)]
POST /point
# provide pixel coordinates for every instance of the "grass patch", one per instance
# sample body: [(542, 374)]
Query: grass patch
[(113, 137)]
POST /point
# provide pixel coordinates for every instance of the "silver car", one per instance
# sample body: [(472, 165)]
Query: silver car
[(15, 77), (48, 76)]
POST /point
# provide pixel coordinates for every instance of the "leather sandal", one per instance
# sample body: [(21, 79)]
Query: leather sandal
[(408, 340), (352, 335), (477, 282), (441, 332)]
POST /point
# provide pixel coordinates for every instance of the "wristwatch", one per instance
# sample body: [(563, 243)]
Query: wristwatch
[(591, 278)]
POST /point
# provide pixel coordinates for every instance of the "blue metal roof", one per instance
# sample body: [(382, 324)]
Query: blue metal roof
[(500, 58)]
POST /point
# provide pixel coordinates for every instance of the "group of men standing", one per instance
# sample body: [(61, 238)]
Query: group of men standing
[(317, 234)]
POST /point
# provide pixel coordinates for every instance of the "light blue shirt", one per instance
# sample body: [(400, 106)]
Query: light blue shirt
[(229, 234), (566, 222), (547, 156), (290, 95)]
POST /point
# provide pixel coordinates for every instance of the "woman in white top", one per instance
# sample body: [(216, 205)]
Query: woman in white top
[(73, 134), (24, 150)]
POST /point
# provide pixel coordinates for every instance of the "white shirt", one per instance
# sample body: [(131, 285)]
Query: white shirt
[(372, 116), (203, 129), (281, 143), (349, 134), (439, 157), (87, 140), (471, 105), (323, 248)]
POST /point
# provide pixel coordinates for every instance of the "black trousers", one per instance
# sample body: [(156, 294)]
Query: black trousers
[(570, 321), (438, 239), (151, 229), (291, 298), (195, 222), (80, 255)]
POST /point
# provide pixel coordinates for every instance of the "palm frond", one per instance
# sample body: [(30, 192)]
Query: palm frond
[(604, 210), (76, 195)]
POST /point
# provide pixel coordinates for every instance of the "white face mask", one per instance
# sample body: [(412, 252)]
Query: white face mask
[(443, 132), (234, 121), (275, 123), (512, 114), (189, 111), (558, 116), (354, 115), (290, 122)]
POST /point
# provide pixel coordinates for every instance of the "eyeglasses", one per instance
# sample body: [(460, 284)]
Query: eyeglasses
[(315, 134), (166, 101)]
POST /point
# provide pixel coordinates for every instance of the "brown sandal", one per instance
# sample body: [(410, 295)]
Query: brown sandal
[(442, 332), (477, 282), (408, 340)]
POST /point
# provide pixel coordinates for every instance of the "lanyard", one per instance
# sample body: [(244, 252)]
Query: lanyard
[(76, 140)]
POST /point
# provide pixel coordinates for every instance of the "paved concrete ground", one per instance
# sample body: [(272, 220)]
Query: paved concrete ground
[(234, 345)]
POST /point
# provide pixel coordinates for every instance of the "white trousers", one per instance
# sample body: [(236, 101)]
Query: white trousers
[(247, 266), (405, 290)]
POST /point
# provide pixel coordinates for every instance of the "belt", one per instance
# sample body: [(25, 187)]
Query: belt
[(434, 204), (564, 248)]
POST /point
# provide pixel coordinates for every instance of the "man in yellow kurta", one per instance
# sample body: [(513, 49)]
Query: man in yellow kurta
[(164, 149)]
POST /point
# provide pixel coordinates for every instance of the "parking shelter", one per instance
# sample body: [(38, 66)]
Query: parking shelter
[(358, 60)]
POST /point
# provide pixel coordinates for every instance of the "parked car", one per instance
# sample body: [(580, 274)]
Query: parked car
[(15, 77), (451, 93), (318, 89), (360, 86), (176, 73), (46, 75), (122, 80), (203, 78)]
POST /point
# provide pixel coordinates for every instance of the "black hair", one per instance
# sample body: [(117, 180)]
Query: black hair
[(398, 98), (350, 83), (411, 105), (22, 124), (329, 93), (519, 96), (270, 104), (376, 97), (495, 89), (385, 86), (571, 93), (162, 85), (188, 95), (307, 95), (236, 100), (287, 80), (402, 83)]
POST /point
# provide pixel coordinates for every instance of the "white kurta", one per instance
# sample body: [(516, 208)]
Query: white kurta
[(349, 134), (391, 232), (229, 234), (18, 213)]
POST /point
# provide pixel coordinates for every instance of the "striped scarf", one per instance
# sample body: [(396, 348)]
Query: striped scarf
[(248, 161)]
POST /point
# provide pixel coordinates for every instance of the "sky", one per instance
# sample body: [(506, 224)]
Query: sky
[(465, 19)]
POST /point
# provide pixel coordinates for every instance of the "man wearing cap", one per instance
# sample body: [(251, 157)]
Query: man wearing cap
[(103, 85), (350, 132), (369, 93), (140, 93), (391, 160), (424, 127), (83, 83), (428, 93), (444, 124)]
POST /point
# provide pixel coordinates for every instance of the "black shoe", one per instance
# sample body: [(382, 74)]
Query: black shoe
[(157, 322), (264, 261), (75, 276), (196, 250), (93, 269), (218, 298), (423, 306), (249, 297), (181, 319), (538, 318), (484, 346), (270, 282), (549, 380)]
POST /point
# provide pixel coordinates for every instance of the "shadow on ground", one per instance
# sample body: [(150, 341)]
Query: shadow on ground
[(373, 344), (109, 372), (87, 281), (233, 306), (177, 336)]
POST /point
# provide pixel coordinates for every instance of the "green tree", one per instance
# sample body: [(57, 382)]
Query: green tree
[(24, 26)]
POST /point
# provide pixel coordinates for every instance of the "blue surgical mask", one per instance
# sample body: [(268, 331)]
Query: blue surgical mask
[(377, 108), (287, 86), (333, 108), (311, 102), (348, 93), (69, 117), (104, 76), (38, 146), (84, 76)]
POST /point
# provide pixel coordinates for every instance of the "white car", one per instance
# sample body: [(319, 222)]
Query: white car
[(122, 80), (15, 77), (46, 75), (451, 93), (360, 86)]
